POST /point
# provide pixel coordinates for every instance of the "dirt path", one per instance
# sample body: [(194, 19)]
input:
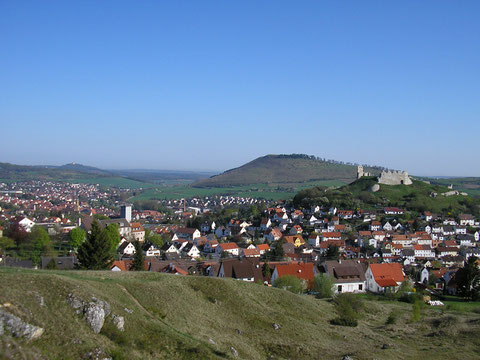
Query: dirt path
[(131, 297)]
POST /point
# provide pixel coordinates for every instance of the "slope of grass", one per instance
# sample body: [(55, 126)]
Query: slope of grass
[(175, 317), (282, 169), (263, 191)]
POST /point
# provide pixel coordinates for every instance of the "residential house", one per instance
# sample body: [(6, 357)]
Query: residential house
[(137, 231), (229, 248), (126, 248), (466, 219), (247, 269), (150, 249), (423, 251), (375, 226), (393, 211), (263, 248), (188, 233), (191, 251), (384, 277), (265, 224), (296, 240), (303, 271), (349, 275)]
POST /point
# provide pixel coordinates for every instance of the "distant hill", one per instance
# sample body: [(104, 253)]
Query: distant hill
[(83, 169), (195, 317), (37, 172), (280, 169), (415, 197), (74, 171)]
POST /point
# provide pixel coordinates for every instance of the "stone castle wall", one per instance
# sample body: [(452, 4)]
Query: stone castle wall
[(394, 178)]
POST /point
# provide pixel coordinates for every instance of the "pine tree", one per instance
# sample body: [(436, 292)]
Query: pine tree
[(95, 252), (139, 258)]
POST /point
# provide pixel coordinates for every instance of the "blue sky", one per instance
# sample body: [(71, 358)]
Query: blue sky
[(210, 85)]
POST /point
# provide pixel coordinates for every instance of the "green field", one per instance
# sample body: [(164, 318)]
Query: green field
[(190, 317), (119, 182), (264, 191), (470, 185)]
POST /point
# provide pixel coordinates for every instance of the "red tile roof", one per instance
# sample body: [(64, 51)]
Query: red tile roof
[(300, 270), (387, 273), (229, 246)]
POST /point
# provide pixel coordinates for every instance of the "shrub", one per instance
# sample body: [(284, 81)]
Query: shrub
[(324, 285), (115, 335), (416, 311), (392, 318), (290, 283), (348, 308)]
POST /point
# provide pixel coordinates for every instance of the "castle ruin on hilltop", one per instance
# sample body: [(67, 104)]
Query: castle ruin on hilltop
[(361, 173), (388, 177)]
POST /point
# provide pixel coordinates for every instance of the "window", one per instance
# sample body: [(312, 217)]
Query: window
[(360, 287), (339, 288)]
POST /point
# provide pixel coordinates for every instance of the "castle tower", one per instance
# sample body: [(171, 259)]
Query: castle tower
[(359, 171)]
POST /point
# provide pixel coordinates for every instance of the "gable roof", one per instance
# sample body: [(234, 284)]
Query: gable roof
[(229, 246), (301, 270), (387, 274), (346, 271), (242, 269)]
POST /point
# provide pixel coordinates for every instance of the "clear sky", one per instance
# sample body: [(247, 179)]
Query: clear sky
[(210, 85)]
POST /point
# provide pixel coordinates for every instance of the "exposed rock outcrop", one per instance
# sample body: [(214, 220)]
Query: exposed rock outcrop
[(17, 327), (95, 312), (119, 322)]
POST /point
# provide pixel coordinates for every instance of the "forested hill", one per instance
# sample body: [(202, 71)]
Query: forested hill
[(69, 171), (284, 169)]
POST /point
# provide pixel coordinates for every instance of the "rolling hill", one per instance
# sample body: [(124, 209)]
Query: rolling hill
[(84, 173), (280, 169), (190, 317), (37, 172)]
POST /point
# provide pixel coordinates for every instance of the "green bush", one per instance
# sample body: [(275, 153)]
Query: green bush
[(348, 308), (324, 285), (416, 311), (290, 283), (392, 318)]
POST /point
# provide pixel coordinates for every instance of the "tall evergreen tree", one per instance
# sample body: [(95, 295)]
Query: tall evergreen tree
[(138, 258), (95, 252), (468, 280)]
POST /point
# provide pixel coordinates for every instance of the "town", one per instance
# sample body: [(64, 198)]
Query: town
[(362, 250)]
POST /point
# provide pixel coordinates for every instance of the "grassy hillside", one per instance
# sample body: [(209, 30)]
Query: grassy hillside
[(413, 197), (202, 318), (261, 191), (280, 169)]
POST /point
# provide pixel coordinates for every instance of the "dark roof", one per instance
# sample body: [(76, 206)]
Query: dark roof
[(122, 222), (242, 269), (63, 262), (28, 264), (346, 271)]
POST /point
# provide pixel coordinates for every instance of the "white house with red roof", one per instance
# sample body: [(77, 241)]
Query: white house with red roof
[(381, 277), (304, 271), (230, 248)]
